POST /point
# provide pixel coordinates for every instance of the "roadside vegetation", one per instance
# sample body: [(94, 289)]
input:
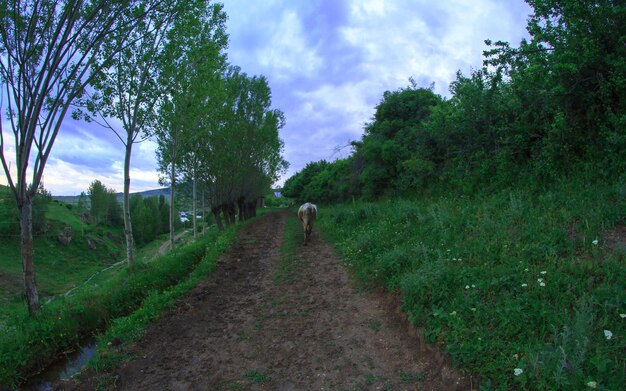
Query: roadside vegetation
[(28, 343), (84, 286), (499, 213), (503, 280)]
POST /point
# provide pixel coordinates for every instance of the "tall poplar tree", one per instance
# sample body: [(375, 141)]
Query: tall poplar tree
[(49, 52), (130, 88), (193, 54)]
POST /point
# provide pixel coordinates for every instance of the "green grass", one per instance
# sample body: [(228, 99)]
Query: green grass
[(375, 325), (288, 265), (58, 267), (257, 377), (505, 280)]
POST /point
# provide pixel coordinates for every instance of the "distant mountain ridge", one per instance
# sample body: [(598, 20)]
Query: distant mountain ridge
[(148, 193)]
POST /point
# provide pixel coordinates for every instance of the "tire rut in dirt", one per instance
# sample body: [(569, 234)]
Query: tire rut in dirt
[(186, 349)]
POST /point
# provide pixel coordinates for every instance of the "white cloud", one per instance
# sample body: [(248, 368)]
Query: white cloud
[(287, 51), (426, 40), (63, 178)]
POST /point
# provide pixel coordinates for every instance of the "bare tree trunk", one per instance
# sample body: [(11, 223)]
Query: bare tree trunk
[(28, 265), (232, 213), (218, 219), (251, 209), (241, 204), (128, 228), (195, 212), (226, 214), (203, 215), (172, 180)]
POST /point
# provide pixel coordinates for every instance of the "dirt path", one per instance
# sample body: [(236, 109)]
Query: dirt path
[(242, 330), (167, 244)]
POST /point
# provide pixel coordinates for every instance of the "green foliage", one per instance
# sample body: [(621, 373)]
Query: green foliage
[(295, 186), (40, 208), (567, 82), (503, 280), (257, 377), (149, 216), (289, 264), (216, 127), (9, 214), (390, 141), (104, 206), (324, 182)]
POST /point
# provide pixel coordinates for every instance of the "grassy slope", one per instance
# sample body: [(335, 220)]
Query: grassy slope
[(58, 267), (505, 280)]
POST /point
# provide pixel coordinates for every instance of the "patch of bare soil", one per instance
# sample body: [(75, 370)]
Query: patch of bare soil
[(615, 239), (10, 285), (242, 329)]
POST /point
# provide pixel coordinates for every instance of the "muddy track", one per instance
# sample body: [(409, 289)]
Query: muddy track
[(241, 329)]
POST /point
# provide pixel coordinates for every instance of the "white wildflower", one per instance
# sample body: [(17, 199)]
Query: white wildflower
[(542, 284), (518, 371), (466, 286), (608, 334), (592, 384), (622, 316), (595, 242), (543, 272), (524, 285)]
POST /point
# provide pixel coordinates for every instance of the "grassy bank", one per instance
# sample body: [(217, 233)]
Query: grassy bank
[(525, 288), (59, 267), (27, 343)]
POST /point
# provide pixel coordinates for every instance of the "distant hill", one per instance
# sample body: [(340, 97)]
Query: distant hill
[(148, 193)]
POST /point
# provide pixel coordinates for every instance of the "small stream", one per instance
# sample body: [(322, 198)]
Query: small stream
[(62, 369)]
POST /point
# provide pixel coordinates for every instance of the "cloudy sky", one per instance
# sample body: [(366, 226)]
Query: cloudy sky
[(328, 63)]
